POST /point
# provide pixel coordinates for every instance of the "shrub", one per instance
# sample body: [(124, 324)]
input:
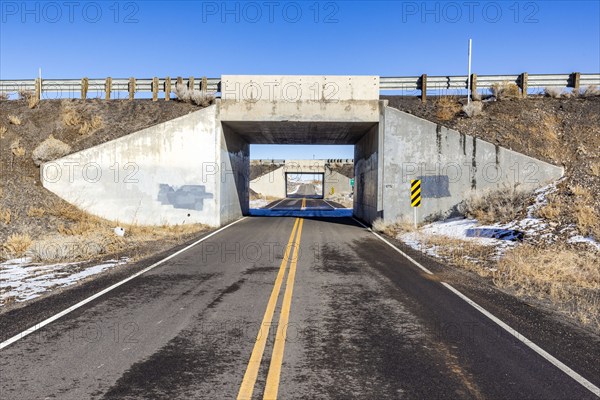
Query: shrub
[(473, 109), (71, 117), (3, 96), (16, 149), (3, 130), (35, 212), (49, 149), (16, 245), (92, 125), (447, 107), (553, 92), (5, 216), (13, 119), (497, 206), (193, 96), (505, 90), (590, 91)]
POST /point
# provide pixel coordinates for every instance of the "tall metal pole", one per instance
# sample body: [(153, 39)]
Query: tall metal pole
[(469, 76)]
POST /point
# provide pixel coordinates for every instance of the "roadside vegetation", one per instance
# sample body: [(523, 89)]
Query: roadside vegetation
[(556, 264)]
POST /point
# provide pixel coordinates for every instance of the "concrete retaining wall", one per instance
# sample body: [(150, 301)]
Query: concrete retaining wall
[(162, 174), (451, 166)]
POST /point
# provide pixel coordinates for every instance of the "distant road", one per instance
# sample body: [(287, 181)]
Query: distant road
[(361, 322), (306, 190)]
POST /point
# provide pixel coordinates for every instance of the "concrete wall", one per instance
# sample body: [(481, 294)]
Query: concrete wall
[(162, 174), (234, 174), (299, 98), (451, 165), (336, 181), (270, 184), (366, 167)]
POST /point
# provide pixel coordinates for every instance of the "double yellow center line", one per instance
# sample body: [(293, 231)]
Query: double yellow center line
[(272, 384), (303, 206)]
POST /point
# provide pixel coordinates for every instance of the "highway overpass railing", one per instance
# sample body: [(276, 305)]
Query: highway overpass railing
[(109, 88)]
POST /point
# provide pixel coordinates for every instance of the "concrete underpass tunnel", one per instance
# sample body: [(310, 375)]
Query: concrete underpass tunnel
[(316, 179)]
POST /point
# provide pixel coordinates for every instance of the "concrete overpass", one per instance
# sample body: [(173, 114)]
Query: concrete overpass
[(196, 168), (272, 182)]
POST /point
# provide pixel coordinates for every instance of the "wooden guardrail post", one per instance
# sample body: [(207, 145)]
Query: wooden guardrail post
[(167, 88), (424, 88), (84, 88), (108, 87), (524, 78), (576, 77), (473, 84), (38, 89), (131, 88), (191, 83), (204, 85), (155, 88)]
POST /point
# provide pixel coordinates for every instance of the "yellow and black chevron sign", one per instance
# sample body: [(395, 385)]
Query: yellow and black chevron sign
[(415, 193)]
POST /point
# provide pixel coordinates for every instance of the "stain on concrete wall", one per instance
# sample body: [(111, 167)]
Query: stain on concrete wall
[(190, 197)]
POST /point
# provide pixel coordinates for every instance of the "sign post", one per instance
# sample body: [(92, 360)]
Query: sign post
[(415, 196)]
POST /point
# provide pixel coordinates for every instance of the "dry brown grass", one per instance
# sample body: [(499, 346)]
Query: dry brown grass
[(16, 245), (94, 236), (92, 125), (550, 211), (473, 109), (33, 102), (5, 215), (71, 117), (3, 96), (501, 205), (595, 169), (13, 119), (77, 118), (582, 192), (16, 148), (505, 91), (466, 254), (568, 278), (447, 107), (3, 130), (392, 229), (35, 212), (587, 219), (553, 92)]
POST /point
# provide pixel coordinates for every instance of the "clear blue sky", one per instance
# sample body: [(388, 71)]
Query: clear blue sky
[(152, 38)]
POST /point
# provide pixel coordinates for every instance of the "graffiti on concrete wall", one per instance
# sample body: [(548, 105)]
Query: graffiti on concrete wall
[(190, 197)]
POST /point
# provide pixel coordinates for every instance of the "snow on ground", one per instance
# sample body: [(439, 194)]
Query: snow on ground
[(22, 280), (502, 236), (258, 203)]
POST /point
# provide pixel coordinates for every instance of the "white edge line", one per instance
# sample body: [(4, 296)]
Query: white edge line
[(276, 204), (553, 360), (108, 289), (395, 248), (580, 379), (330, 205)]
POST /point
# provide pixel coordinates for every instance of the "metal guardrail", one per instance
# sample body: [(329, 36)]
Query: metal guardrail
[(485, 81), (423, 83)]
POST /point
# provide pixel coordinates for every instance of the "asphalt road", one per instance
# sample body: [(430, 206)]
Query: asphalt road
[(360, 320), (306, 190)]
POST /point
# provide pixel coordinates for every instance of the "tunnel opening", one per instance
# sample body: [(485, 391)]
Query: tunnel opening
[(300, 174), (304, 185)]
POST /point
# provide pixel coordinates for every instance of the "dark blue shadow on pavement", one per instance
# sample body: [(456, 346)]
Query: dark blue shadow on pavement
[(496, 233), (336, 213)]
